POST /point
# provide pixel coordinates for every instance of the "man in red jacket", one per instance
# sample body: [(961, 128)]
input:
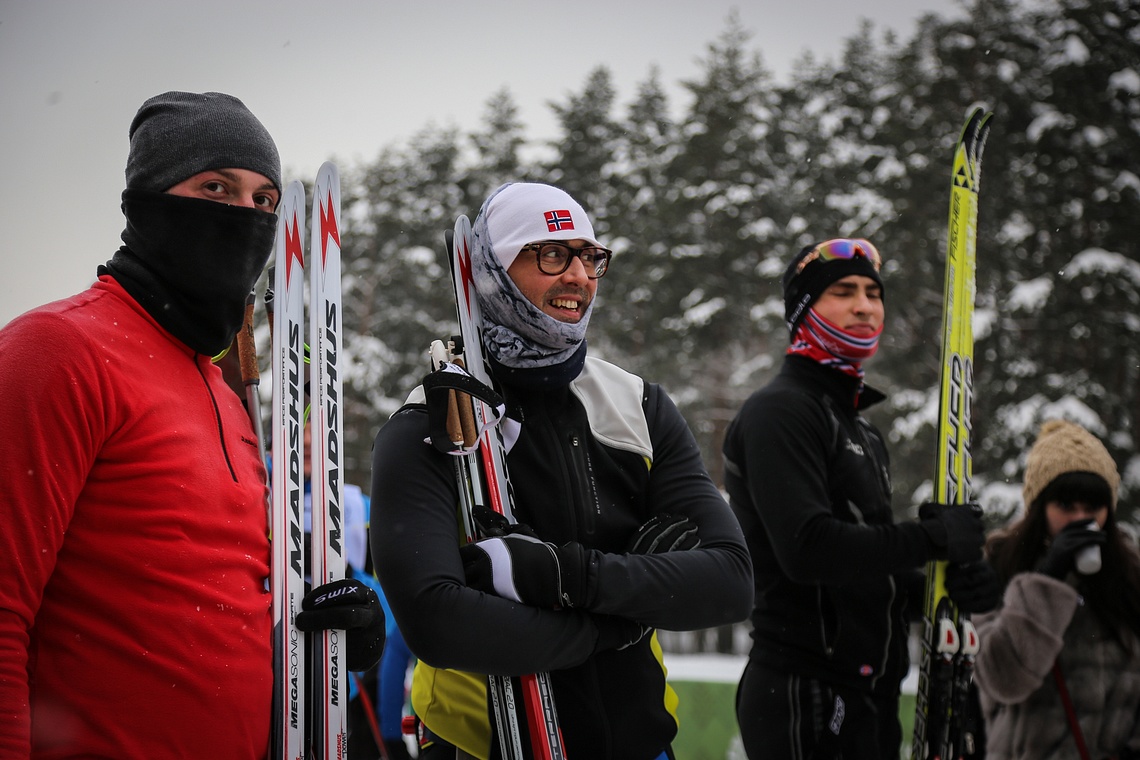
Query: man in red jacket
[(134, 612)]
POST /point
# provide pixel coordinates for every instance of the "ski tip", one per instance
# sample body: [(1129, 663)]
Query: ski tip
[(328, 169), (461, 231), (975, 140), (972, 138), (977, 123), (462, 226)]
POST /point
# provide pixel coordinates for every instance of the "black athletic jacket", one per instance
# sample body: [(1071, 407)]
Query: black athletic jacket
[(577, 475), (808, 478)]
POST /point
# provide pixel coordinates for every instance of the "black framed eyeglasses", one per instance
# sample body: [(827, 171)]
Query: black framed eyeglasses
[(554, 258)]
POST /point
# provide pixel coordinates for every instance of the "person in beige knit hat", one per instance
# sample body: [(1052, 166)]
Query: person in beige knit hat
[(1063, 622)]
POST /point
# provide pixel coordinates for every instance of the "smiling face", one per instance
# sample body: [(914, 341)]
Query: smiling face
[(565, 296), (854, 303)]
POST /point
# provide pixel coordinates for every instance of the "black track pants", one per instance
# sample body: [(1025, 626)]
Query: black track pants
[(783, 716)]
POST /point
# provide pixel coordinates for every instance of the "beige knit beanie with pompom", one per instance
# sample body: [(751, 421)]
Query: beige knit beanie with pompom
[(1063, 447)]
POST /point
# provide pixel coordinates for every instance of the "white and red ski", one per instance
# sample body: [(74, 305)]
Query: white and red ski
[(287, 574), (330, 688), (486, 477)]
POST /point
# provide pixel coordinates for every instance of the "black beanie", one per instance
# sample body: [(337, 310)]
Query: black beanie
[(803, 285), (176, 135)]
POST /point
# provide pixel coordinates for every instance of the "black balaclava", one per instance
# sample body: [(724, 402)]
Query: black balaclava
[(191, 263)]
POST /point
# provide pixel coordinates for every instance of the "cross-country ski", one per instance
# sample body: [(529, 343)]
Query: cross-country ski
[(330, 690), (287, 581), (485, 474), (949, 641)]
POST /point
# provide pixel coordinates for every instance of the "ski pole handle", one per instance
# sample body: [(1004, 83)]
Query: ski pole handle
[(460, 423), (247, 346), (468, 430), (250, 375), (269, 301), (454, 426)]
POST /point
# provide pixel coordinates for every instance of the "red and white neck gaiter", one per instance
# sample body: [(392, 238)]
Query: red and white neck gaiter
[(832, 346)]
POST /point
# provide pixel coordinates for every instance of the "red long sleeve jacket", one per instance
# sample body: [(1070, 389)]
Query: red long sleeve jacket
[(134, 616)]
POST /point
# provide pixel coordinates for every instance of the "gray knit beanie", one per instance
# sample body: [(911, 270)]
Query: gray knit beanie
[(176, 135)]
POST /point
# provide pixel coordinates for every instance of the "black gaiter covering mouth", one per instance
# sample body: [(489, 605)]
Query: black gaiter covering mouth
[(191, 263)]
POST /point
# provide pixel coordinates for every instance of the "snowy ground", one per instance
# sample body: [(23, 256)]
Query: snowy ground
[(717, 668)]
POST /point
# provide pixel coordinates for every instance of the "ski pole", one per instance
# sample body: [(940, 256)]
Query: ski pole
[(370, 711), (250, 375)]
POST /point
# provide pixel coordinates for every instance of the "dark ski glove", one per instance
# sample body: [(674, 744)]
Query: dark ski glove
[(491, 524), (955, 530), (1058, 561), (974, 586), (664, 533), (524, 569), (618, 633), (350, 606)]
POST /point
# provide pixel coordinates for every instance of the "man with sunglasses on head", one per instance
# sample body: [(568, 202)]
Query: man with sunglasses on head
[(632, 533), (835, 577)]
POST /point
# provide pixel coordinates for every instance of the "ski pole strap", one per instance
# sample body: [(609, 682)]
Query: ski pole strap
[(451, 385), (1074, 724)]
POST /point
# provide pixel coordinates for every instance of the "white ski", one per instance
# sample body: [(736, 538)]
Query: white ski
[(487, 477), (330, 692), (287, 575)]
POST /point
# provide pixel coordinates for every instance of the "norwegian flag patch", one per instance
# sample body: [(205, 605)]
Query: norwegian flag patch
[(559, 220)]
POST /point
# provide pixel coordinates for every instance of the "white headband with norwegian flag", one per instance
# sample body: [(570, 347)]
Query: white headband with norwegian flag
[(526, 212)]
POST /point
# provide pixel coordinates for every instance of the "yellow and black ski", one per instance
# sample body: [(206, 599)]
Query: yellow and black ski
[(949, 641)]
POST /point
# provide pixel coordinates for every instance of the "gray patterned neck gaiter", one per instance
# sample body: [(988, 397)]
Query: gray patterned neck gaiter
[(516, 332)]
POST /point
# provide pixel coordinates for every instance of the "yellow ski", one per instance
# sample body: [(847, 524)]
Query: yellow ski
[(949, 641)]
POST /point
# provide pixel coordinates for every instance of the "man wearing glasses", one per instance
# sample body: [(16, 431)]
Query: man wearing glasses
[(808, 478), (633, 534)]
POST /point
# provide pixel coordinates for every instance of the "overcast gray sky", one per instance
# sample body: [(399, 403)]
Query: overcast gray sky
[(331, 79)]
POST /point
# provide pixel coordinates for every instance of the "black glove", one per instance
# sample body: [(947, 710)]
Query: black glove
[(491, 524), (955, 530), (618, 632), (1058, 561), (350, 606), (524, 569), (664, 533), (974, 586)]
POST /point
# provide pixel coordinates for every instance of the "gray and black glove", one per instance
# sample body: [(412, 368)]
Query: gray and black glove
[(974, 586), (1058, 561), (352, 607), (664, 533), (956, 531), (527, 570)]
